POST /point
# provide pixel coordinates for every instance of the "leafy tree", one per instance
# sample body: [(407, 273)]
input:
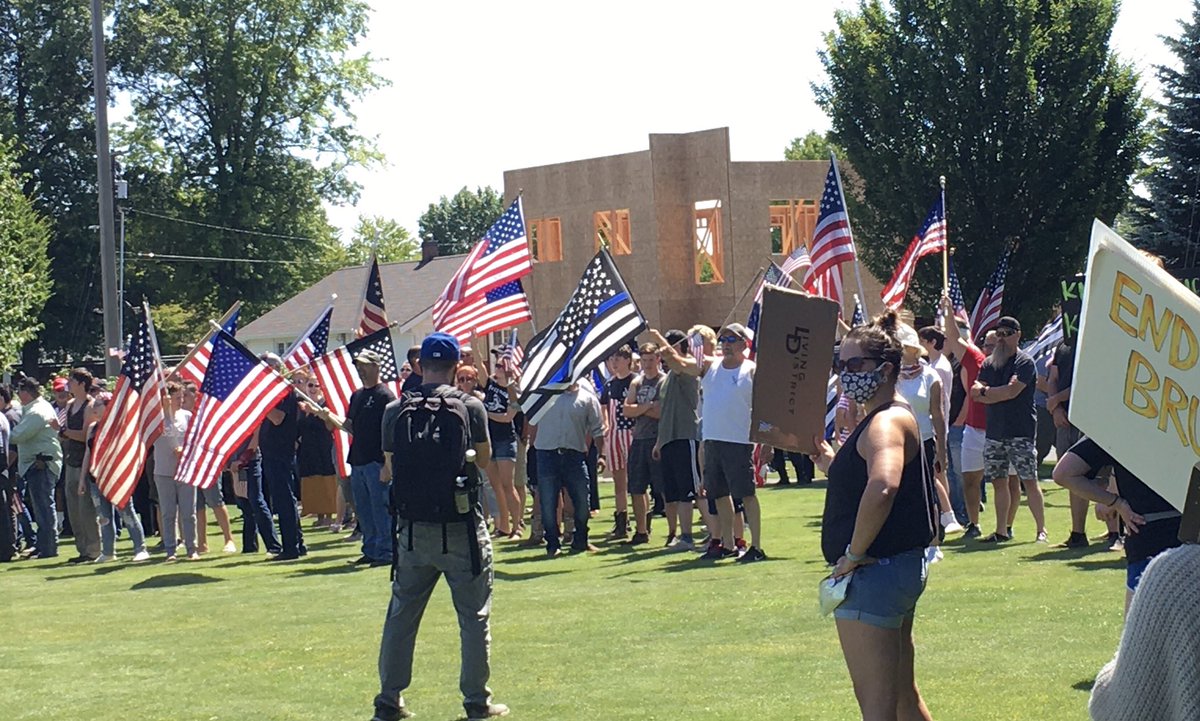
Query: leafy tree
[(46, 110), (813, 146), (1020, 103), (390, 240), (458, 223), (1171, 224), (243, 120), (24, 265)]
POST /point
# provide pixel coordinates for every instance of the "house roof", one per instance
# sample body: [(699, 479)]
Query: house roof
[(409, 290)]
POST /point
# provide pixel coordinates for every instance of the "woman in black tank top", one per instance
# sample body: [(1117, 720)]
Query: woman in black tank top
[(879, 517)]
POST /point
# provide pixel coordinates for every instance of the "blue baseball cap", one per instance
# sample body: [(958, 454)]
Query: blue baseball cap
[(440, 346)]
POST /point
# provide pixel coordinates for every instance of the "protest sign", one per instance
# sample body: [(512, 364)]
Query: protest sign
[(1071, 303), (1136, 391), (794, 347)]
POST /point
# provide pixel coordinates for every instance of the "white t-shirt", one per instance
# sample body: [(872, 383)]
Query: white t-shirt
[(917, 392), (945, 373), (725, 403), (165, 459)]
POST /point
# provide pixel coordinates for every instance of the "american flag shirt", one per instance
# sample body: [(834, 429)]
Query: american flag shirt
[(620, 428)]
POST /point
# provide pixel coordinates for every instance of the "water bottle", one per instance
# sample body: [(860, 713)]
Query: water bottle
[(462, 493)]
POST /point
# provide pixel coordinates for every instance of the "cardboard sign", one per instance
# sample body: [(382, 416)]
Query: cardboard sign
[(1071, 303), (1136, 387), (794, 347)]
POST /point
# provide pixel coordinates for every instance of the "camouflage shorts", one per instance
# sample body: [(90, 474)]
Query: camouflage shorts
[(999, 454)]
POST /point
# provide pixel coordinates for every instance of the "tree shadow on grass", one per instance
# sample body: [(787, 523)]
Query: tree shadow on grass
[(1117, 563), (105, 570), (171, 580)]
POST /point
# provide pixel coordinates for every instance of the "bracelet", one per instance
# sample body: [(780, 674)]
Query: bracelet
[(1116, 498), (854, 557)]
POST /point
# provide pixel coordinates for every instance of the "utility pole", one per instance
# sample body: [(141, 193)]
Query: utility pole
[(104, 180)]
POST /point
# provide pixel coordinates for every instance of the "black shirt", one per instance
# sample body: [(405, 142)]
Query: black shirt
[(958, 393), (909, 525), (314, 454), (1154, 537), (495, 400), (615, 390), (1016, 417), (279, 441), (366, 423), (1064, 361), (411, 383)]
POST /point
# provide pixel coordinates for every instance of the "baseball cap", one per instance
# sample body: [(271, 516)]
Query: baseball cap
[(368, 356), (739, 330), (907, 336), (1009, 322), (675, 336), (60, 385), (440, 346)]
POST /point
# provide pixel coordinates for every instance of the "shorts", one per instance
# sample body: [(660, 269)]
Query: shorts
[(680, 471), (616, 449), (645, 473), (1016, 454), (738, 506), (728, 469), (973, 441), (1133, 573), (211, 497), (885, 593), (1064, 438), (504, 450)]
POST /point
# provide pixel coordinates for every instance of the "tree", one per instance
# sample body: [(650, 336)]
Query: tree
[(813, 146), (458, 223), (243, 121), (1170, 225), (390, 240), (24, 263), (1020, 104), (46, 110)]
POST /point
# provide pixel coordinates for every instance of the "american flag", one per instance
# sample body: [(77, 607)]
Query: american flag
[(832, 242), (620, 431), (132, 421), (511, 356), (600, 317), (238, 392), (798, 260), (501, 307), (502, 256), (696, 347), (374, 317), (1048, 339), (930, 239), (957, 302), (774, 276), (310, 345), (828, 285), (339, 379), (991, 299), (859, 317), (194, 368)]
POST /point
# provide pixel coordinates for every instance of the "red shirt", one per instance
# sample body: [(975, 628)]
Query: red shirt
[(976, 412)]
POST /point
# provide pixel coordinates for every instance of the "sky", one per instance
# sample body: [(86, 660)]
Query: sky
[(479, 88)]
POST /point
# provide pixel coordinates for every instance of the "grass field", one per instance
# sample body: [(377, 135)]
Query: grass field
[(1016, 632)]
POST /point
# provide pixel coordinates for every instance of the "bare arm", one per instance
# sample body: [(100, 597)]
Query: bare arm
[(630, 407), (999, 394), (883, 447), (1071, 473), (955, 343), (677, 362)]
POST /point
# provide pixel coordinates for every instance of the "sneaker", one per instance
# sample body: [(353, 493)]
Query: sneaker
[(752, 554), (638, 539), (553, 552), (485, 711), (995, 538), (972, 531), (682, 543), (105, 558), (379, 562), (1042, 537), (193, 556), (739, 544), (1010, 533), (78, 559), (933, 554), (391, 714), (1075, 540), (230, 547), (715, 551), (670, 540), (355, 535), (586, 548), (170, 558), (141, 556), (284, 557), (950, 524), (728, 552), (361, 561), (335, 528), (1115, 542)]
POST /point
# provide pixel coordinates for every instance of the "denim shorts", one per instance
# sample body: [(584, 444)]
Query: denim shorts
[(504, 450), (1133, 573), (885, 593)]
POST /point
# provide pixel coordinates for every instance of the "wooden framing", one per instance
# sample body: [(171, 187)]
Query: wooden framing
[(793, 222), (710, 253), (612, 231), (545, 240)]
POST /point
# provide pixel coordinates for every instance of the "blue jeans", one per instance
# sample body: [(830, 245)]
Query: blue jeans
[(958, 501), (256, 517), (40, 484), (556, 471), (108, 531), (371, 499), (277, 473), (25, 530)]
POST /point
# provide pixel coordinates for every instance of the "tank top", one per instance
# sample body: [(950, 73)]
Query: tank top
[(909, 525), (73, 450), (725, 403)]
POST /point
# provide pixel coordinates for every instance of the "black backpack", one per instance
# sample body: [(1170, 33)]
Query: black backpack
[(430, 442)]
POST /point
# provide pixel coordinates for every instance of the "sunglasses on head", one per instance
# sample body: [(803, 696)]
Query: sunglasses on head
[(1005, 332), (855, 364), (729, 339)]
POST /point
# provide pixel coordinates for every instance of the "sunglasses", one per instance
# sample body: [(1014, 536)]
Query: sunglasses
[(1005, 332), (855, 364), (729, 339)]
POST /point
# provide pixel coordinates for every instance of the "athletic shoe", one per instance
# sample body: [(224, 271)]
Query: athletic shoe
[(682, 543), (1010, 533), (284, 557), (354, 536), (361, 561), (1042, 537), (728, 552), (104, 558), (670, 540), (715, 551), (485, 711), (587, 548), (391, 714), (1115, 542), (170, 558), (230, 547), (739, 544), (553, 552), (972, 531), (638, 539), (141, 556), (1075, 540), (193, 556), (377, 563), (751, 555), (950, 524), (933, 554), (79, 559), (995, 538)]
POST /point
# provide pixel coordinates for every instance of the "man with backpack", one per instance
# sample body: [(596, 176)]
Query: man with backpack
[(435, 438)]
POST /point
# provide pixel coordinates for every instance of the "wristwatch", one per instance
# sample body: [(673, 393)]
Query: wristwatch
[(854, 557)]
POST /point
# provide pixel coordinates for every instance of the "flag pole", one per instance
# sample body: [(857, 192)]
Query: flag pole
[(196, 348), (946, 245), (842, 196), (307, 365), (753, 284)]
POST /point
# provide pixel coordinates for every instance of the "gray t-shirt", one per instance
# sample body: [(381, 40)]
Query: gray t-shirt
[(678, 417), (569, 421), (645, 428), (475, 414)]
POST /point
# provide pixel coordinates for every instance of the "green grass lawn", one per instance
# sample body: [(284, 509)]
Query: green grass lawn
[(1016, 632)]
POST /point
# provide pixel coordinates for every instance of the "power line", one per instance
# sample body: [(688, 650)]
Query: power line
[(209, 258), (175, 219)]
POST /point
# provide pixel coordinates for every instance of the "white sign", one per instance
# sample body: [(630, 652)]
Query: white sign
[(1136, 389)]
